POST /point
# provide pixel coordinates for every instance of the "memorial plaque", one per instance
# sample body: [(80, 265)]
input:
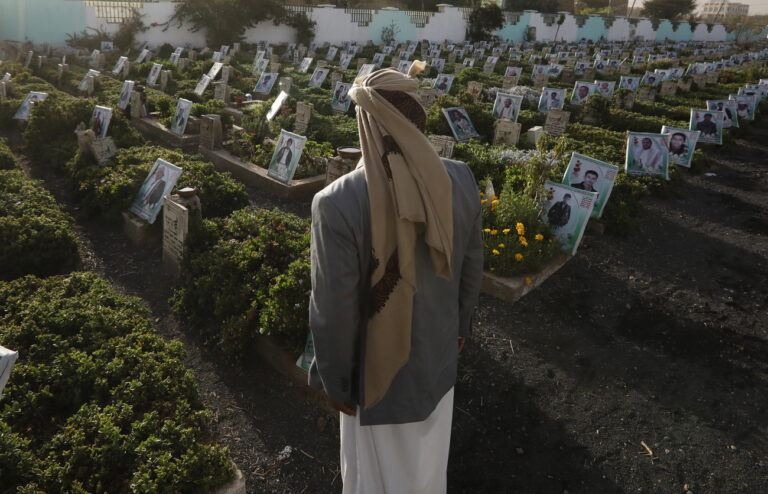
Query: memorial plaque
[(568, 76), (557, 121), (221, 91), (458, 68), (321, 64), (3, 91), (509, 82), (175, 231), (165, 78), (712, 77), (700, 80), (474, 88), (211, 133), (443, 145), (337, 167), (452, 57), (274, 67), (532, 135), (138, 110), (489, 66), (506, 132), (336, 77), (103, 149), (226, 72), (361, 62), (285, 84), (668, 88), (684, 84), (646, 93), (540, 81), (303, 115), (625, 68), (427, 96), (589, 74)]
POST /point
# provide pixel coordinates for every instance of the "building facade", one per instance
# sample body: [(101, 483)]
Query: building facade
[(712, 11)]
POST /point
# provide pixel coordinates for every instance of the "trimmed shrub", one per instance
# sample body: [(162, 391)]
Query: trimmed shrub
[(7, 159), (99, 403), (36, 235)]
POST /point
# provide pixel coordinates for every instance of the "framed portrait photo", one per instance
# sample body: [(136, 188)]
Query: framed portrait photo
[(591, 175), (551, 98), (26, 106), (341, 99), (460, 124), (202, 85), (507, 106), (266, 81), (582, 91), (647, 154), (567, 211), (682, 144), (100, 118), (443, 83), (125, 94), (709, 123), (154, 73), (181, 116), (160, 182), (729, 107), (285, 158), (318, 77)]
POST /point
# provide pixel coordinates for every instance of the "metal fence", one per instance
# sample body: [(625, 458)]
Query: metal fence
[(113, 11)]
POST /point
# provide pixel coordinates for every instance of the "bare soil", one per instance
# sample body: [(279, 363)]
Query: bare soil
[(641, 366)]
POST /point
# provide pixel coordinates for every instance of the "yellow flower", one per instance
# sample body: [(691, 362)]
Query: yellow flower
[(483, 201), (520, 228), (494, 232), (523, 241), (487, 230), (501, 246), (495, 202), (493, 269), (539, 236), (506, 230), (495, 252), (518, 257), (482, 194), (528, 281)]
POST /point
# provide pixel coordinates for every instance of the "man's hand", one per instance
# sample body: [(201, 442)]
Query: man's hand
[(343, 407), (462, 341)]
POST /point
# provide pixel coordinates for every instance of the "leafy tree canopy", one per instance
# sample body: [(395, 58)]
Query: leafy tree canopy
[(668, 9)]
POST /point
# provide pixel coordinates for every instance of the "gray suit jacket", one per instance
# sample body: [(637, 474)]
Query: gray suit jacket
[(338, 308)]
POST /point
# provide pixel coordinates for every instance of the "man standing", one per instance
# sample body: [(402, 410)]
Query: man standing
[(396, 272)]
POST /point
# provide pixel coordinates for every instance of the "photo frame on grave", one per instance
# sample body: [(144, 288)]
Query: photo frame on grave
[(682, 144), (647, 154), (181, 116), (567, 211), (709, 123), (202, 85), (443, 145), (443, 83), (265, 83), (551, 98), (154, 73), (285, 158), (119, 65), (25, 108), (341, 100), (730, 110), (83, 86), (318, 77), (160, 181), (100, 119), (592, 175), (461, 126), (507, 106)]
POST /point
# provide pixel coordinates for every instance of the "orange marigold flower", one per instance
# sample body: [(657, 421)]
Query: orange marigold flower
[(487, 230), (528, 281), (483, 201), (539, 236), (495, 202), (506, 230), (494, 232), (520, 228), (523, 241), (501, 246), (495, 252), (518, 257)]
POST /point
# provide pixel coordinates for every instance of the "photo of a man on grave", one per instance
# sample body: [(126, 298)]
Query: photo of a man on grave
[(589, 181), (460, 124), (707, 127), (443, 84), (159, 182), (560, 213), (286, 157), (265, 83), (678, 146), (646, 156), (507, 106)]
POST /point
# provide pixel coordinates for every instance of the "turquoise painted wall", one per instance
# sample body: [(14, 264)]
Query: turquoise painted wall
[(515, 33), (41, 21), (406, 30), (664, 31), (593, 29)]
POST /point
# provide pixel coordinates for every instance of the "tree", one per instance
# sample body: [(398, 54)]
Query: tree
[(745, 28), (668, 9), (483, 21)]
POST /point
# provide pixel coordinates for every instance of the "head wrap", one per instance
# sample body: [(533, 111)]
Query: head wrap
[(410, 193)]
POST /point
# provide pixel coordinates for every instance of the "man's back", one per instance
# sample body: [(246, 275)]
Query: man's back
[(341, 302)]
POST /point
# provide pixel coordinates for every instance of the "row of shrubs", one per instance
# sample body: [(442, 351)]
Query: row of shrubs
[(97, 401)]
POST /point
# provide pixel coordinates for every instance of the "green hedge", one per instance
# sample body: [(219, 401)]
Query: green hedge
[(248, 274), (98, 402), (7, 159), (107, 190), (36, 235)]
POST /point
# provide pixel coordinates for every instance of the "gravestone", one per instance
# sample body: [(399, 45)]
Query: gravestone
[(3, 91), (700, 80), (192, 55), (625, 69), (336, 77), (712, 77), (303, 115), (568, 76), (90, 85), (183, 64), (127, 65), (509, 82), (506, 132), (557, 121), (589, 74), (221, 91), (321, 64), (84, 139), (488, 67), (285, 84), (177, 210), (458, 68), (103, 149), (41, 61), (361, 62), (668, 88), (540, 81), (474, 88), (138, 110), (211, 131), (395, 63), (626, 102), (684, 83), (338, 166), (427, 96), (532, 135), (274, 67), (226, 71), (452, 57), (646, 93), (443, 145), (165, 77)]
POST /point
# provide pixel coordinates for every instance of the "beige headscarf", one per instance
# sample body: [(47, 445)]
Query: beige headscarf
[(410, 193)]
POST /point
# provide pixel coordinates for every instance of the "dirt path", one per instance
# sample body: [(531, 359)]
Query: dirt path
[(660, 338)]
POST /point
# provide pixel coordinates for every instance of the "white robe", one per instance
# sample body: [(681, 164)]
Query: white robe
[(399, 458)]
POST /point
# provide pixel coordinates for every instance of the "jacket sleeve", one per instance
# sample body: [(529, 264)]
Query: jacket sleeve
[(334, 306), (471, 271)]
